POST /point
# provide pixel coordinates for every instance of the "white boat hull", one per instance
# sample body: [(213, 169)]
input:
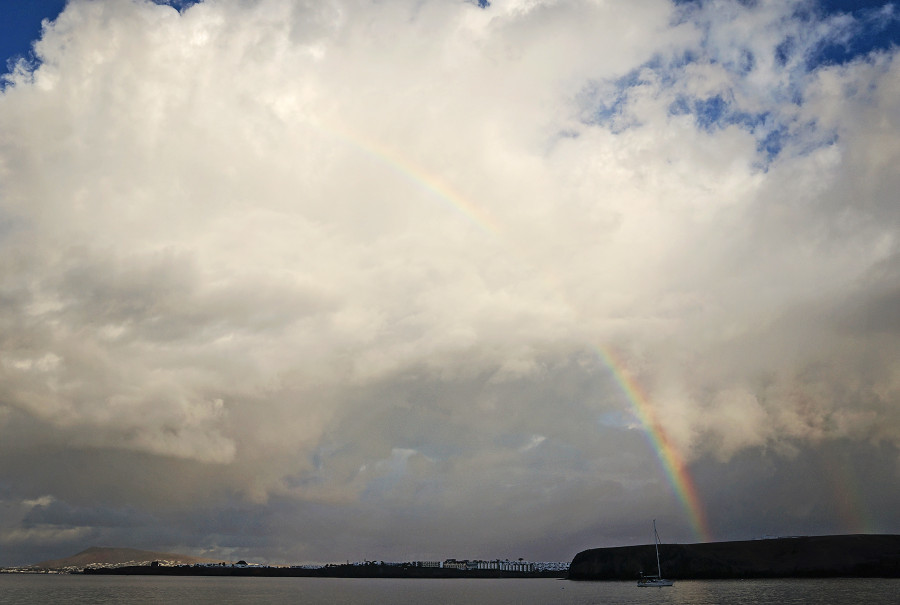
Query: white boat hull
[(655, 582)]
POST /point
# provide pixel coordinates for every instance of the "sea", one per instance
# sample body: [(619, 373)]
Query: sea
[(128, 590)]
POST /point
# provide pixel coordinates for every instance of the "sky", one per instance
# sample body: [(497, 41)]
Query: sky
[(293, 281)]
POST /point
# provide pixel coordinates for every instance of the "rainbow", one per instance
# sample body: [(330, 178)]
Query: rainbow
[(415, 174), (672, 462)]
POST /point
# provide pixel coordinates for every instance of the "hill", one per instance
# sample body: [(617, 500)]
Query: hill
[(806, 556), (100, 556)]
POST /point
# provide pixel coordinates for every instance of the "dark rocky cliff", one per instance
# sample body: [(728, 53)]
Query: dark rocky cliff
[(808, 556)]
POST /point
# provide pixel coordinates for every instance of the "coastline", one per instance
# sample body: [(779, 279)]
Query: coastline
[(329, 571)]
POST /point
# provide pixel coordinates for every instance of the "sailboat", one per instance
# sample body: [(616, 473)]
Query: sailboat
[(656, 580)]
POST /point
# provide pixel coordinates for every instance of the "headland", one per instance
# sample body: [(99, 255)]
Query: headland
[(858, 555)]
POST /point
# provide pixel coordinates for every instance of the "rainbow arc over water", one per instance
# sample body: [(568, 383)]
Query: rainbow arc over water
[(673, 463), (670, 457)]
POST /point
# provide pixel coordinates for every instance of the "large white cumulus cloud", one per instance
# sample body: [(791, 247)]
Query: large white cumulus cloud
[(197, 213), (360, 253)]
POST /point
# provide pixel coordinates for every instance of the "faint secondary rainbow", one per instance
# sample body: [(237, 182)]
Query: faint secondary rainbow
[(848, 495), (672, 461)]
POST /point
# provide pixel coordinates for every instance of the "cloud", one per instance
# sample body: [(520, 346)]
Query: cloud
[(337, 260)]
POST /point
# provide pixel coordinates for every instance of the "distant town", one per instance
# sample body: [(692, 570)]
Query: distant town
[(112, 561), (519, 565)]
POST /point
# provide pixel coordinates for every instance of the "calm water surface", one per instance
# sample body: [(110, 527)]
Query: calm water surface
[(128, 590)]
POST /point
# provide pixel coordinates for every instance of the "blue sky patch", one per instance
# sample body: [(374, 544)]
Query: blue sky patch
[(181, 5), (849, 31), (875, 27), (20, 26)]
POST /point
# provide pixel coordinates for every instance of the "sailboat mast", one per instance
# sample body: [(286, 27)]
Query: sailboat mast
[(656, 543)]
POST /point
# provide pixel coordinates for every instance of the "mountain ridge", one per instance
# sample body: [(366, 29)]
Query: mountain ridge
[(103, 555)]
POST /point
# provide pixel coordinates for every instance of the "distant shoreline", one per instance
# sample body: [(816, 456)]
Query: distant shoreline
[(849, 556), (330, 571)]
